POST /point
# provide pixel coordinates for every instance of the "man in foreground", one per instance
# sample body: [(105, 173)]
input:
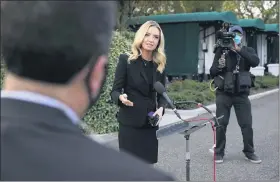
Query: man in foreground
[(56, 55)]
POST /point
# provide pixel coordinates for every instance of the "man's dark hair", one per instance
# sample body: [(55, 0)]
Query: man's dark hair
[(51, 41)]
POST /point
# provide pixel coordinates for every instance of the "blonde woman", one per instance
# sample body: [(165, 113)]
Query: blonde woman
[(133, 92)]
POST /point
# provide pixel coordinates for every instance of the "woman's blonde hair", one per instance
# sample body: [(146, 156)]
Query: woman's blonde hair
[(159, 56)]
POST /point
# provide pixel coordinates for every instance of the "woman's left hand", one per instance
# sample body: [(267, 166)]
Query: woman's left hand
[(159, 112)]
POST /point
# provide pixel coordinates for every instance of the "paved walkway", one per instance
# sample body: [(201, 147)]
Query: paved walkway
[(235, 167)]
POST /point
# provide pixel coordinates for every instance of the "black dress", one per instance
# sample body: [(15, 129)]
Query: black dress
[(141, 142)]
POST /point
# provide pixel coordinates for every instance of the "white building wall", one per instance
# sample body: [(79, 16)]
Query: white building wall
[(261, 48), (200, 53), (210, 42)]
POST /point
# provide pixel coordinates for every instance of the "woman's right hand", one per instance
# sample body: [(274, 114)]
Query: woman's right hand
[(124, 100)]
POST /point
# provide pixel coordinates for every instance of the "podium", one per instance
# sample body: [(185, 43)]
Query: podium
[(187, 134), (186, 128)]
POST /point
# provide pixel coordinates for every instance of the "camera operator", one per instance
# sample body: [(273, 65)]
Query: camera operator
[(232, 78)]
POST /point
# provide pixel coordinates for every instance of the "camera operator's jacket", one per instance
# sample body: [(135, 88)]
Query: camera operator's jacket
[(249, 59)]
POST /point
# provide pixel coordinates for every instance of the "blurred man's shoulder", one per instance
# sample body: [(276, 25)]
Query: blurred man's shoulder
[(123, 166)]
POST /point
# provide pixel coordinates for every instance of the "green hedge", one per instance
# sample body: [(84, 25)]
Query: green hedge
[(101, 118), (190, 90), (266, 82)]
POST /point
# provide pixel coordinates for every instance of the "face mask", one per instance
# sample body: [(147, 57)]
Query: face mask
[(237, 39)]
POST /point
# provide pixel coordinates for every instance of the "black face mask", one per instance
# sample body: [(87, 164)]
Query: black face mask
[(93, 100)]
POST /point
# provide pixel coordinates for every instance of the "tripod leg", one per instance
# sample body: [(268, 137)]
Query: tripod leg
[(188, 158)]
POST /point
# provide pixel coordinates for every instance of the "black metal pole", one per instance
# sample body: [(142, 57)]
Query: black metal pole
[(188, 157)]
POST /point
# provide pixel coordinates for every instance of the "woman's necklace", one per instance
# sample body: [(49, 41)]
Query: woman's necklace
[(145, 62)]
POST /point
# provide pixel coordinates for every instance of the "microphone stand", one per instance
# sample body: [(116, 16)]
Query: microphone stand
[(191, 129)]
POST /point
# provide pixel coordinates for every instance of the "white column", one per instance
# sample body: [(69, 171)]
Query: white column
[(209, 55)]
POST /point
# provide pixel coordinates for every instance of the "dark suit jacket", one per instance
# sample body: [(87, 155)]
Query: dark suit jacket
[(132, 80), (40, 143)]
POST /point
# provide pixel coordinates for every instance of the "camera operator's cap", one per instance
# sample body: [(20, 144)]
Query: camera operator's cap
[(236, 28)]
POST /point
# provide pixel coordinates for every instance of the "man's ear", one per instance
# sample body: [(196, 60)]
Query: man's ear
[(97, 75)]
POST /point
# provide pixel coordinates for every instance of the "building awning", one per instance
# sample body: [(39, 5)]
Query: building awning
[(252, 23), (226, 16), (271, 28)]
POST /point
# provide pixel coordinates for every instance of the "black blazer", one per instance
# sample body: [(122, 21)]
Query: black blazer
[(131, 79), (39, 143)]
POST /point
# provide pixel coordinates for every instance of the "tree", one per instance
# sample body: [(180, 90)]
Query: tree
[(197, 6), (130, 8), (125, 10), (268, 11), (134, 8)]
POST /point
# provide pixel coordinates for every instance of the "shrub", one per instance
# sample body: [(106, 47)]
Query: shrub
[(176, 86), (190, 90), (266, 82), (101, 117)]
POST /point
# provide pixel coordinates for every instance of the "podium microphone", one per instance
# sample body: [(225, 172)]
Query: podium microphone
[(161, 90), (189, 130)]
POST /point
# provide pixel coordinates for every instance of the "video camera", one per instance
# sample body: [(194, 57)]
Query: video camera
[(225, 38)]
